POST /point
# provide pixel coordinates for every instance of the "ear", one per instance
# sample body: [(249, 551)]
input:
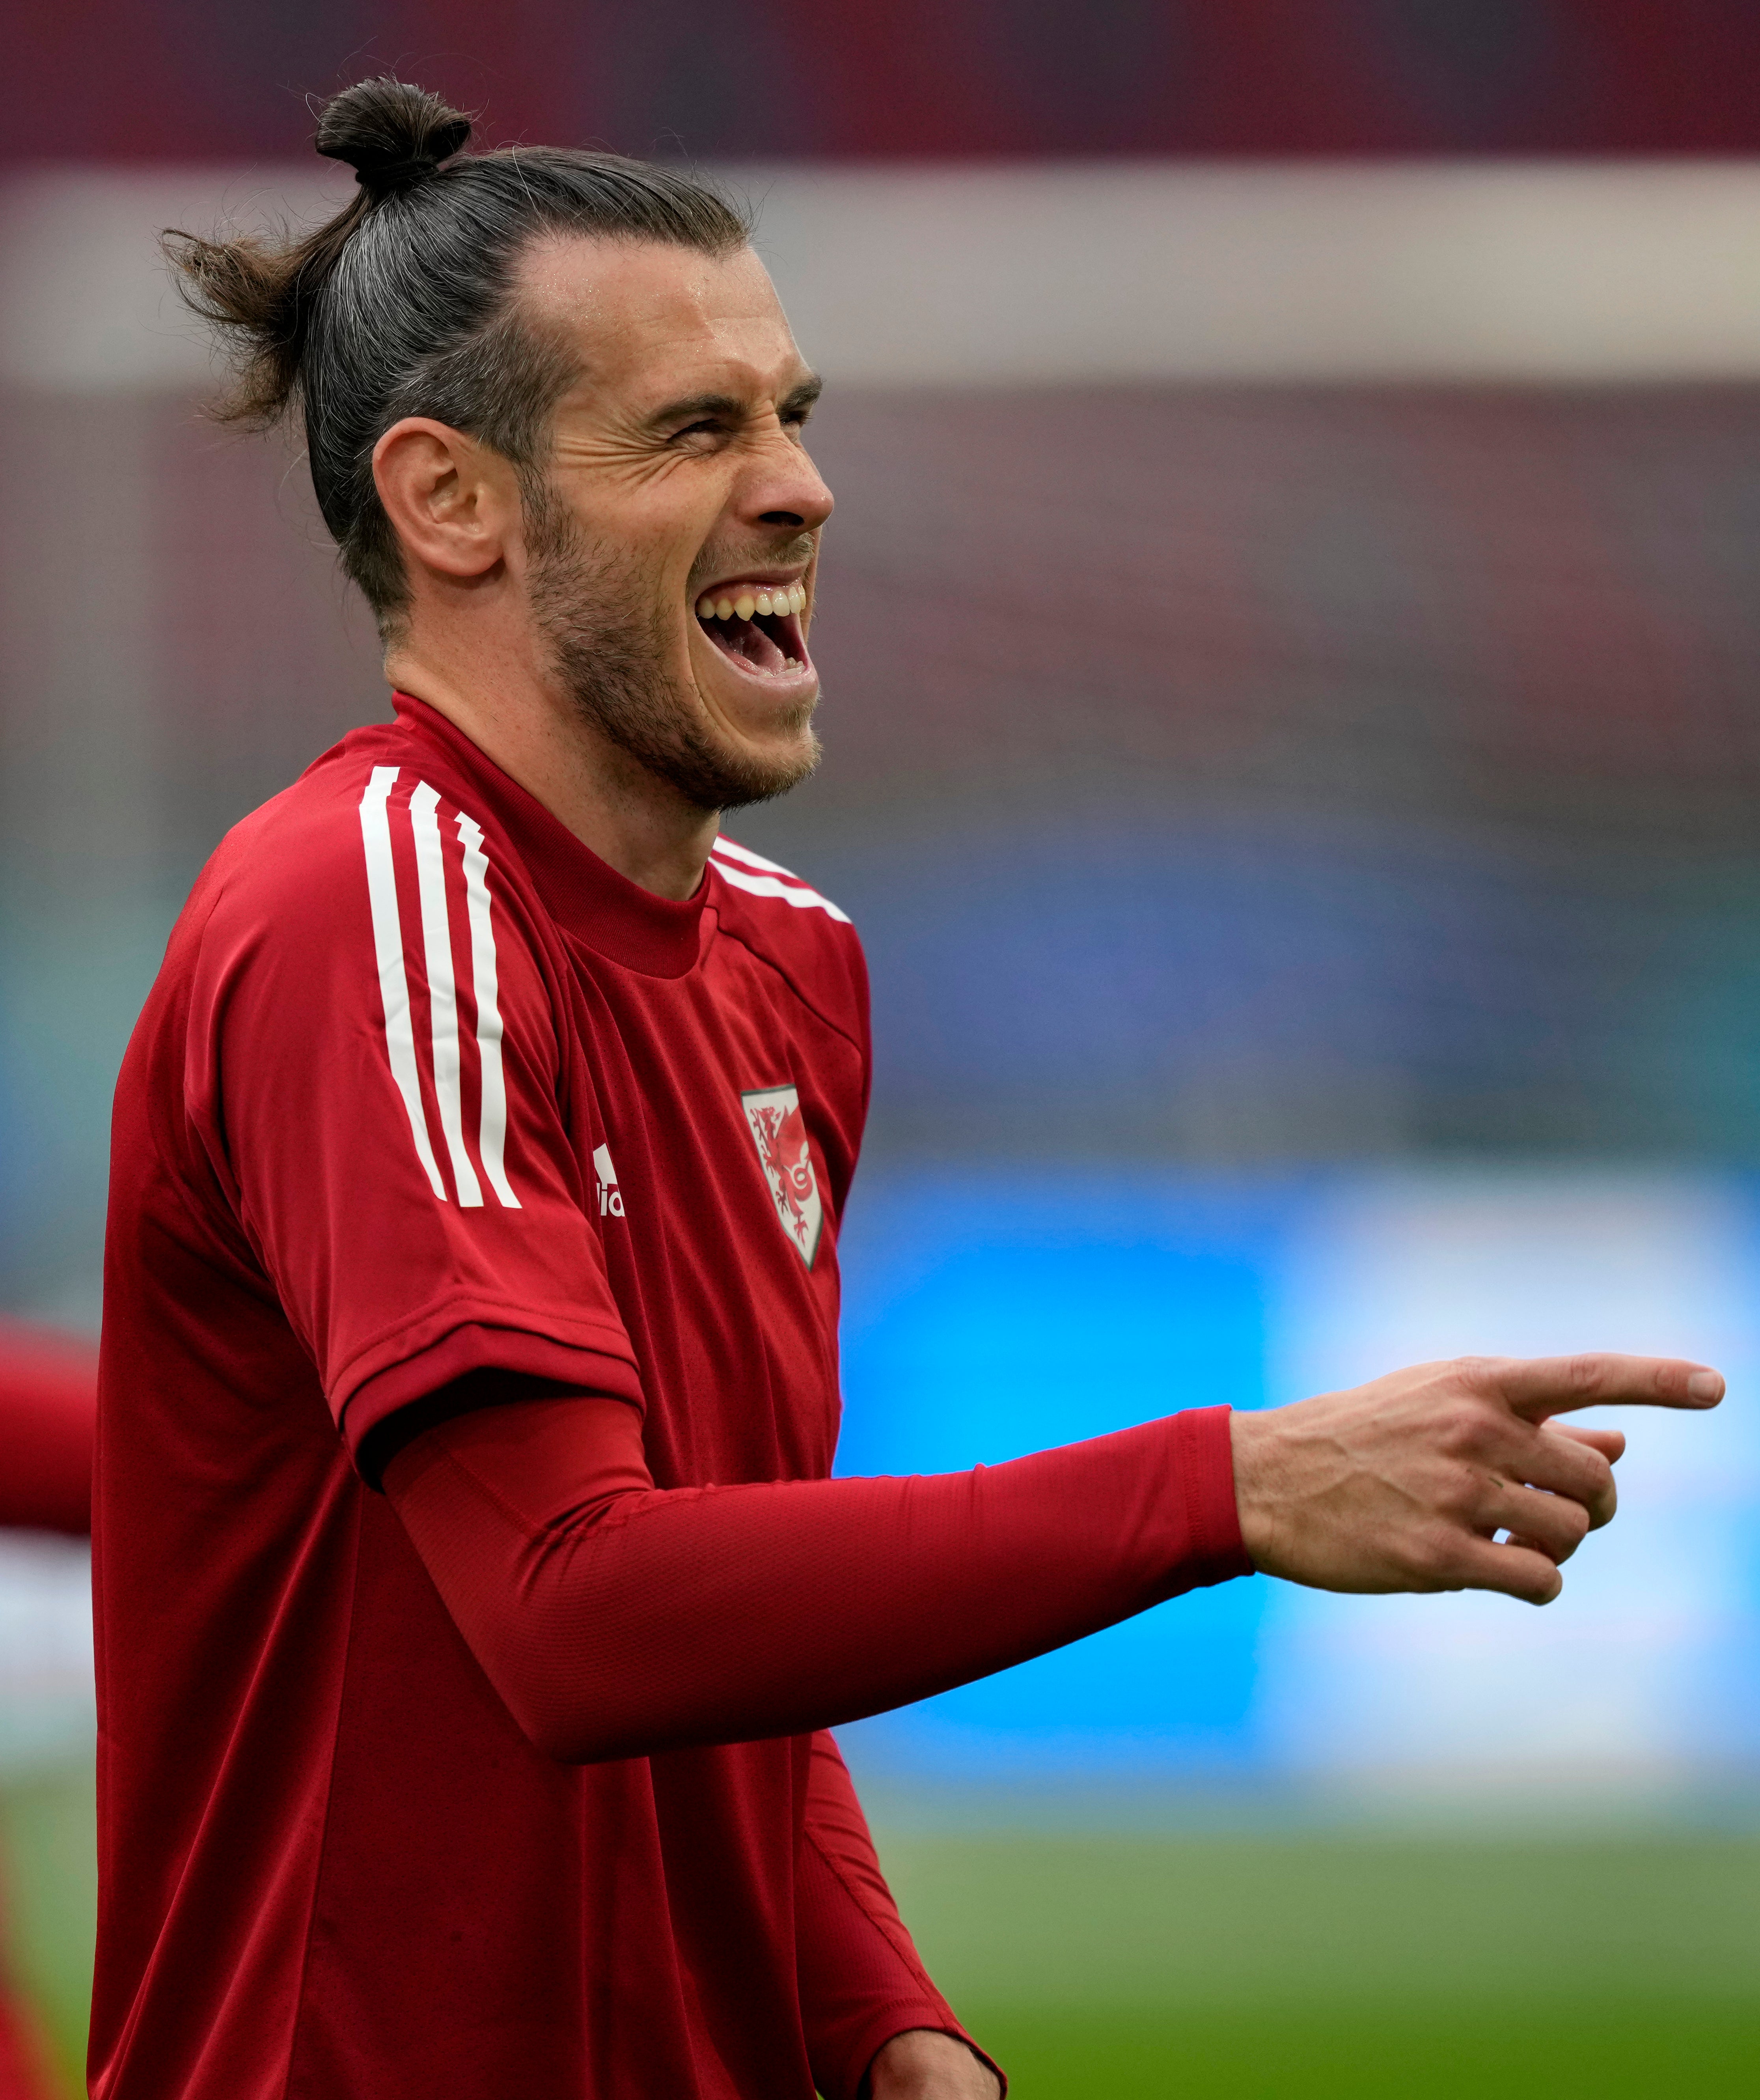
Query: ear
[(454, 503)]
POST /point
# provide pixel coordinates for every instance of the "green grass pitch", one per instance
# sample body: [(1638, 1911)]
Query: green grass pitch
[(1250, 1968), (1294, 1966)]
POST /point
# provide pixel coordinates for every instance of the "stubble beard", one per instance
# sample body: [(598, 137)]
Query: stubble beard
[(608, 647)]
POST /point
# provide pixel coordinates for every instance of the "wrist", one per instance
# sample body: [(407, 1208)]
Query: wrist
[(1252, 1439)]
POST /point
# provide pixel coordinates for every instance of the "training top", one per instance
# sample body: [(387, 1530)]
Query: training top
[(425, 1090)]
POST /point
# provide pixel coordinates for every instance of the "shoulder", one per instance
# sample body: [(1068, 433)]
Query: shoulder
[(782, 918), (371, 812), (375, 848)]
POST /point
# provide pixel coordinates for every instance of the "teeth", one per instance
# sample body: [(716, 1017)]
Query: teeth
[(768, 602)]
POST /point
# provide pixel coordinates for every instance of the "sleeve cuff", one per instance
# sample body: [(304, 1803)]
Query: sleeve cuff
[(477, 1347), (1204, 1452)]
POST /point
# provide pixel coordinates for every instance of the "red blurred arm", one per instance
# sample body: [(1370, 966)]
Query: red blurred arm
[(618, 1620), (48, 1419)]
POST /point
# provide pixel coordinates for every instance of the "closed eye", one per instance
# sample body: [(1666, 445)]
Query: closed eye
[(711, 431), (799, 406)]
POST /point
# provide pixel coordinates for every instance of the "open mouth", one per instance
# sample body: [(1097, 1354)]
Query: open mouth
[(758, 626)]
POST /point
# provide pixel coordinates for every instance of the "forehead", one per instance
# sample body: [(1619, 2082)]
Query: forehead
[(649, 319)]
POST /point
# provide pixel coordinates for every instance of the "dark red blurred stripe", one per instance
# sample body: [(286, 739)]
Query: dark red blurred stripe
[(48, 1416), (213, 79)]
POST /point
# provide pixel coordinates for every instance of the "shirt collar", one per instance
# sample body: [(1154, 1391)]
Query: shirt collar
[(585, 895)]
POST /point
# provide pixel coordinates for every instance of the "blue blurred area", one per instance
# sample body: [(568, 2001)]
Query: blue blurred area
[(988, 1315), (986, 1319), (991, 1313)]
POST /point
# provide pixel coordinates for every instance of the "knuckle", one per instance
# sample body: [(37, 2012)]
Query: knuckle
[(1463, 1427), (1573, 1522), (1585, 1376), (1432, 1557), (1461, 1492), (1594, 1483)]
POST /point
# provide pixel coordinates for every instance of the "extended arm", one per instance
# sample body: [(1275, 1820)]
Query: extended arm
[(619, 1619)]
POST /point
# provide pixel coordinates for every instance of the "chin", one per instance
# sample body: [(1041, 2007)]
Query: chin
[(761, 771)]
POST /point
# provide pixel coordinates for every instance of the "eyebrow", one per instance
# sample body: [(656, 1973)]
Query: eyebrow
[(692, 406)]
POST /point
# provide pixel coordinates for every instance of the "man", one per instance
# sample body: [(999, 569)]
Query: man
[(493, 1111)]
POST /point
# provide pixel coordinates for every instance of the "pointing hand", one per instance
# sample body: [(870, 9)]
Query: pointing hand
[(1406, 1483)]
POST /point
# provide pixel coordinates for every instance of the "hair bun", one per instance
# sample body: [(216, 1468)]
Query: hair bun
[(392, 134)]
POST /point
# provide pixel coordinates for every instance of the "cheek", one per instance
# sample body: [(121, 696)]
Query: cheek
[(680, 511), (654, 524)]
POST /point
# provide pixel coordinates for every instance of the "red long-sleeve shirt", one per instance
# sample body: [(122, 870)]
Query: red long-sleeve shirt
[(479, 1790)]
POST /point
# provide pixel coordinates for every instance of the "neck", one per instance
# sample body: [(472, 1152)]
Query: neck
[(634, 821)]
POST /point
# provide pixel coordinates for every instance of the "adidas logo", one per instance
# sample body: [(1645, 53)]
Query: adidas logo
[(610, 1196)]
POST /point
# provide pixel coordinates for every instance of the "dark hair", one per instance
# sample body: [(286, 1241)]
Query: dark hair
[(401, 305)]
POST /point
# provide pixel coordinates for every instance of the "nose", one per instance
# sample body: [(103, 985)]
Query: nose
[(784, 487)]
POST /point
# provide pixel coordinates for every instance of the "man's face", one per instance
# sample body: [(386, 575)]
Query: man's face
[(672, 560)]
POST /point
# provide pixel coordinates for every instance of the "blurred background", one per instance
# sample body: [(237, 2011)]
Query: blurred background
[(1291, 641)]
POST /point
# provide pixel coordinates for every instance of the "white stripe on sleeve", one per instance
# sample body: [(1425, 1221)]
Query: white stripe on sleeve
[(388, 948), (442, 992), (491, 1136)]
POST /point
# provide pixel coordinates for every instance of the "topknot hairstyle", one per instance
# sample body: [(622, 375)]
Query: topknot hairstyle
[(391, 135), (401, 304)]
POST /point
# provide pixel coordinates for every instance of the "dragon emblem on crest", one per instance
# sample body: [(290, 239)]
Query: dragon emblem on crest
[(779, 1132)]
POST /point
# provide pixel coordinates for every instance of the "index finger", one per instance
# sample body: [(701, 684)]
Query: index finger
[(1537, 1387)]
